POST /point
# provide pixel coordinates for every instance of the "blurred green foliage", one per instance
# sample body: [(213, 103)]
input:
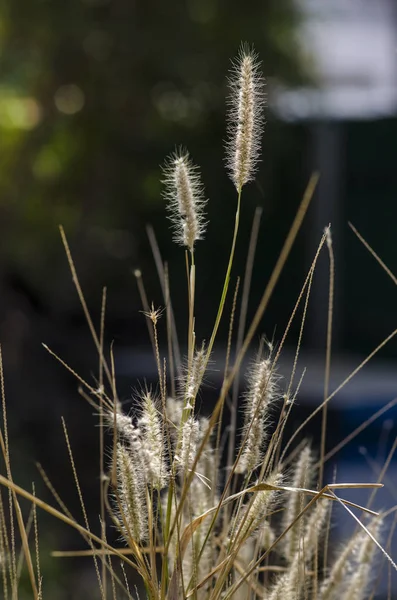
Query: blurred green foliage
[(93, 95)]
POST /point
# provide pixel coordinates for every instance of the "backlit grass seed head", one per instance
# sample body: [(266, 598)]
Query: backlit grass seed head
[(153, 314), (151, 443), (333, 585), (200, 500), (173, 547), (352, 569), (304, 473), (130, 500), (190, 437), (314, 529), (124, 424), (245, 555), (198, 561), (362, 574), (265, 536), (261, 392), (245, 117), (208, 462), (174, 410), (192, 380), (252, 516), (296, 580), (185, 195), (144, 440)]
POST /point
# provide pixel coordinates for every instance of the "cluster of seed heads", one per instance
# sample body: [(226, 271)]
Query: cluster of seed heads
[(253, 530), (183, 188), (171, 491)]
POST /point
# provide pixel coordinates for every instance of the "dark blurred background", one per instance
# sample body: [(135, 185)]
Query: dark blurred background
[(94, 94)]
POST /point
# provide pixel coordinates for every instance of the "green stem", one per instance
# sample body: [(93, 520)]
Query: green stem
[(192, 287), (186, 412), (165, 526), (217, 320), (227, 279)]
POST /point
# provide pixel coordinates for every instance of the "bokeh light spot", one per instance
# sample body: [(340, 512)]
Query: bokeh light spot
[(19, 113), (69, 99)]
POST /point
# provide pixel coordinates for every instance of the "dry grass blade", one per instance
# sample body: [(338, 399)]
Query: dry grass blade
[(339, 388), (58, 515), (21, 525), (253, 327), (22, 530), (78, 488), (241, 325), (316, 495), (385, 554), (160, 270), (36, 542), (374, 254), (328, 352), (360, 428), (101, 438), (13, 566), (296, 225), (228, 351), (82, 300), (98, 393), (4, 548), (193, 529), (102, 552)]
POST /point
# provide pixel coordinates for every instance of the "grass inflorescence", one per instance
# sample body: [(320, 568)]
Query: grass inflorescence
[(191, 526)]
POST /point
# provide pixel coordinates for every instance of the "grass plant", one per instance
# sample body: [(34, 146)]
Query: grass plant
[(200, 516)]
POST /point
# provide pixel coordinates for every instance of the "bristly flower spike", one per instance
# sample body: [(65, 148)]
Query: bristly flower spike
[(193, 379), (131, 505), (150, 445), (245, 117), (185, 194), (261, 393), (304, 474)]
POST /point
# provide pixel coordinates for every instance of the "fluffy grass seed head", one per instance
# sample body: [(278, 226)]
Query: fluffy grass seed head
[(174, 409), (352, 570), (245, 117), (130, 500), (124, 424), (144, 440), (151, 443), (201, 498), (253, 515), (363, 573), (261, 392), (208, 463), (192, 377), (185, 195), (294, 583), (189, 441), (304, 473)]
